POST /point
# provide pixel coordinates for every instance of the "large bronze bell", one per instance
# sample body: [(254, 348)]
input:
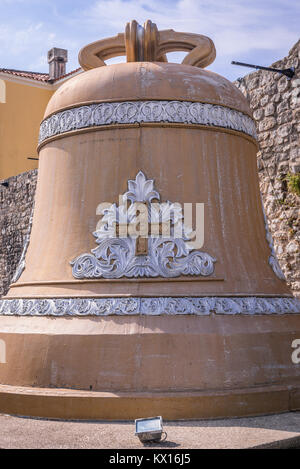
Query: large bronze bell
[(98, 324)]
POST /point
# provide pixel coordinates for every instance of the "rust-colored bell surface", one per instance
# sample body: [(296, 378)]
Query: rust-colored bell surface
[(185, 314)]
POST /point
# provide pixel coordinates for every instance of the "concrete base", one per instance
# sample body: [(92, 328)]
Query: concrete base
[(280, 431), (74, 404)]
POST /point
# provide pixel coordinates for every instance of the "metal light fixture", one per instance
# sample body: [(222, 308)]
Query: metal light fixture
[(149, 429)]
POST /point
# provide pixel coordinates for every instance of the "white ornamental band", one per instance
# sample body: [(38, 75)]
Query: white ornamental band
[(131, 112), (155, 306)]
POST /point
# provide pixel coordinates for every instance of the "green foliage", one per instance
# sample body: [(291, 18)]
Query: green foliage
[(293, 183)]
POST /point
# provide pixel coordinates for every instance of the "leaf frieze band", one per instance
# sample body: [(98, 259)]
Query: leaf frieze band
[(154, 306), (130, 112)]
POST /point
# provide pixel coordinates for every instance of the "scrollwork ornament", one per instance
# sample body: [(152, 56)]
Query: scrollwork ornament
[(155, 306), (273, 261), (130, 112), (166, 256)]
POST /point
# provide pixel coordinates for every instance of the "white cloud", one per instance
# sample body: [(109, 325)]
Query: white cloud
[(26, 48), (239, 28), (239, 42)]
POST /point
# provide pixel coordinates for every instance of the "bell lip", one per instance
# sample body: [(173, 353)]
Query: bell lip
[(67, 404)]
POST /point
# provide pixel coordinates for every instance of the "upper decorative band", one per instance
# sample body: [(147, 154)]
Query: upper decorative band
[(155, 306), (131, 112)]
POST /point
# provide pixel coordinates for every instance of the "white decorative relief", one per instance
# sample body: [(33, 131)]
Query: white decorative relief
[(273, 261), (128, 112), (199, 306), (165, 256), (21, 265)]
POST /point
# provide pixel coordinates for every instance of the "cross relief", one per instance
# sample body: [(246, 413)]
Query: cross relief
[(143, 229)]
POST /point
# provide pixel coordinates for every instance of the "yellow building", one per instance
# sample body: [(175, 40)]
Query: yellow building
[(23, 99)]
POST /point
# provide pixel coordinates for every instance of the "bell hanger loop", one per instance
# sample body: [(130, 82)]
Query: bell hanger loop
[(147, 44)]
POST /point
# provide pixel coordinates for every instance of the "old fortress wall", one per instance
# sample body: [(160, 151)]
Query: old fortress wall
[(16, 204), (275, 102)]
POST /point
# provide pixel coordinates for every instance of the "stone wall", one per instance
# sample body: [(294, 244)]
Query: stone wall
[(275, 102), (16, 203)]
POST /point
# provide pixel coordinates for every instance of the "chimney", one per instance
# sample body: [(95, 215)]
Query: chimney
[(57, 59)]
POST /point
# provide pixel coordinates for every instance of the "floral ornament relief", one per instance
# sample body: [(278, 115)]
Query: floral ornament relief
[(273, 261), (128, 112), (135, 256)]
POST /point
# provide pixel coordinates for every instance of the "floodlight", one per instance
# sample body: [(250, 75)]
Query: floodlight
[(149, 429)]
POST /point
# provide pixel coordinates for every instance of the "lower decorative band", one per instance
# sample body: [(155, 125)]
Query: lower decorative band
[(149, 306), (131, 112)]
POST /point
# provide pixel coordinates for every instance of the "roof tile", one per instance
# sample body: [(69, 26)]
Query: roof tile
[(43, 77)]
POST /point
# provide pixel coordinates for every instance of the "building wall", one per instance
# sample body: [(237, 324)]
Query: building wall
[(275, 102), (20, 116)]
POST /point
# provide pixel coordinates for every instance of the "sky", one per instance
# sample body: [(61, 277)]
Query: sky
[(252, 31)]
